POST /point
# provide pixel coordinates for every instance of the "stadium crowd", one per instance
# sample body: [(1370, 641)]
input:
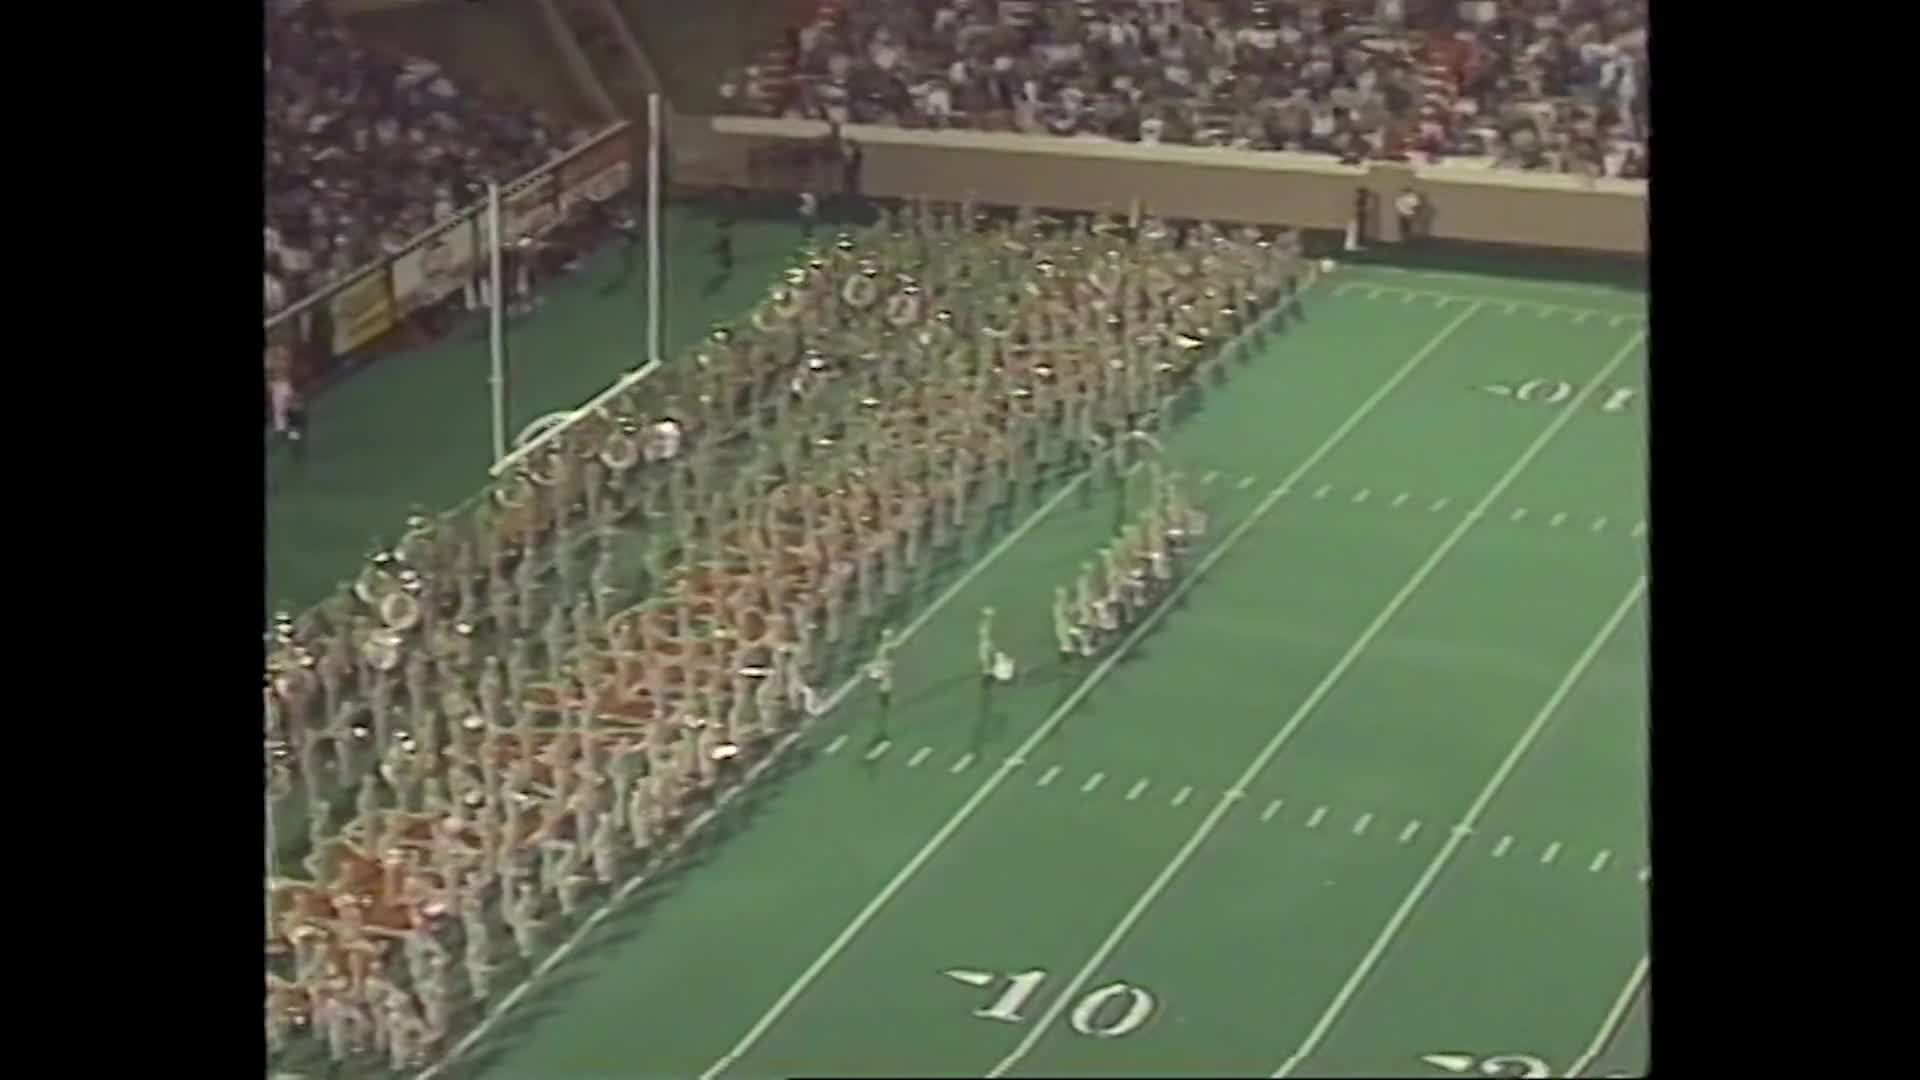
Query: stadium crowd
[(363, 154), (1560, 85)]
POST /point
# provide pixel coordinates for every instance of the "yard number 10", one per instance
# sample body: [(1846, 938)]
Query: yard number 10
[(1108, 1012)]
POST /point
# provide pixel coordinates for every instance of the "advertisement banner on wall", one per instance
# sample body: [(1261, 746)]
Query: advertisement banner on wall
[(435, 268), (362, 311), (526, 209), (600, 172), (529, 210)]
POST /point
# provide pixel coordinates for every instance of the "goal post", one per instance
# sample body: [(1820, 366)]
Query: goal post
[(545, 429)]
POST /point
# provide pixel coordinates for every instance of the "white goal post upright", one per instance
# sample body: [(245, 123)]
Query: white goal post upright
[(545, 429), (272, 867), (654, 137), (496, 333)]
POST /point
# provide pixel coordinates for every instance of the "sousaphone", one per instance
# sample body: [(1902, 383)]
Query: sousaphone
[(400, 610), (862, 290), (903, 307), (620, 450), (375, 580), (515, 493)]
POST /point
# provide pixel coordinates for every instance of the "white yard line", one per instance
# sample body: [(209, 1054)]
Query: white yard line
[(1360, 826), (1139, 788), (1047, 777), (879, 749), (1552, 853), (965, 762), (1610, 1026), (1407, 834), (1446, 275), (1272, 809), (1332, 678), (1181, 796), (1092, 782), (834, 746), (1509, 305), (839, 944), (1319, 815), (1599, 862), (1459, 835), (919, 756)]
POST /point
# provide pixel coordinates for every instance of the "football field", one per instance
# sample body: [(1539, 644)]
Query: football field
[(1365, 796)]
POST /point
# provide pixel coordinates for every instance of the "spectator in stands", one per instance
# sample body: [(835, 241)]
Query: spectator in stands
[(363, 154), (1497, 80)]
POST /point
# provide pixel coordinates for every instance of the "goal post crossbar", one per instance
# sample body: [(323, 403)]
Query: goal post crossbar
[(533, 445)]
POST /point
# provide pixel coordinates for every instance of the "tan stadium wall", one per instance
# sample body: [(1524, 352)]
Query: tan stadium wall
[(1469, 203)]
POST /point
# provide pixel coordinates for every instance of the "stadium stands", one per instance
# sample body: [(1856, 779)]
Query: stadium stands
[(1536, 84), (363, 154)]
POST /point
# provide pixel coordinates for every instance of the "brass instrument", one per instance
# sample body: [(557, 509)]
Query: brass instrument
[(862, 290), (903, 307), (621, 449), (400, 610)]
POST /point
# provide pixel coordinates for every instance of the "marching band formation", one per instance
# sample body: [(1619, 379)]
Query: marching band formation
[(1131, 574), (503, 717)]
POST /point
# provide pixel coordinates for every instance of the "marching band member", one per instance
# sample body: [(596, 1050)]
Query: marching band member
[(604, 847), (1086, 608), (1065, 633), (523, 916), (404, 1030), (880, 673), (640, 816), (987, 652), (436, 999), (479, 969)]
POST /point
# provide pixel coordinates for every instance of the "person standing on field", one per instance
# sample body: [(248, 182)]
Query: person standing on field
[(288, 406)]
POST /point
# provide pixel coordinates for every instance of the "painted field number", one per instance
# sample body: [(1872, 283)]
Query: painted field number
[(1498, 1065), (1618, 399), (1106, 1012)]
